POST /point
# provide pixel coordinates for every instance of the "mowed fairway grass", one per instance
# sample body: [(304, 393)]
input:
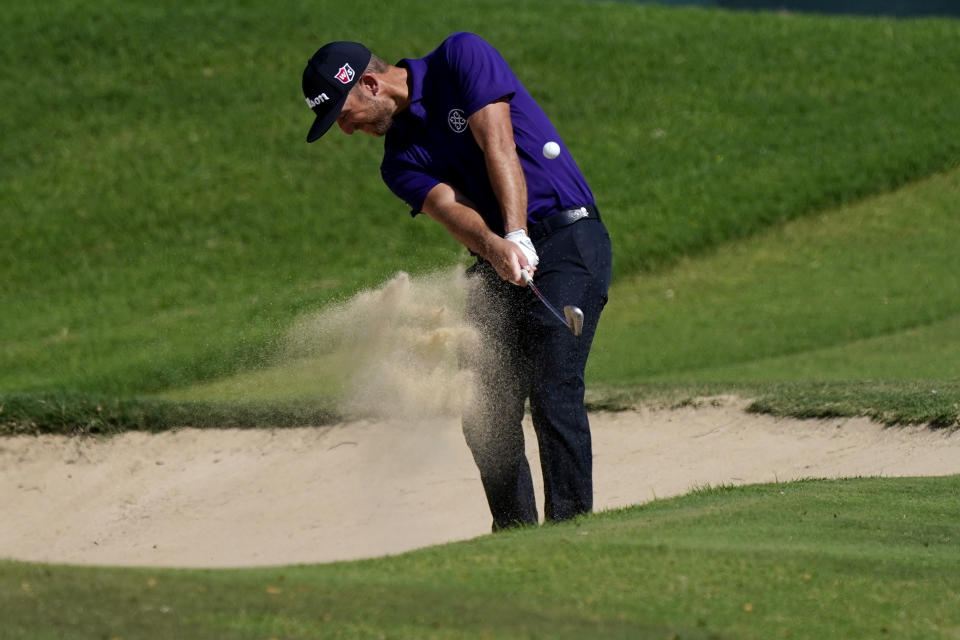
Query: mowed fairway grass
[(781, 191), (867, 558)]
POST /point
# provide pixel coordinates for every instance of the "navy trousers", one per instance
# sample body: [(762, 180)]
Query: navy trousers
[(527, 353)]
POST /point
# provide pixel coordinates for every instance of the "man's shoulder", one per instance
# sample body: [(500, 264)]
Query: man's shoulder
[(462, 40), (456, 52), (452, 58)]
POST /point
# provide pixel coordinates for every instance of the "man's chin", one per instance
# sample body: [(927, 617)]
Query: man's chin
[(380, 128)]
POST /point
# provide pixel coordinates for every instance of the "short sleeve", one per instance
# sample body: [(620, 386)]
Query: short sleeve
[(482, 73), (408, 180)]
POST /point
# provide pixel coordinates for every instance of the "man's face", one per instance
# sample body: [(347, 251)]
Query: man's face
[(364, 112)]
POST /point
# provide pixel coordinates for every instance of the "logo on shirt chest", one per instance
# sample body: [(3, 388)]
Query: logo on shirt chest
[(457, 120)]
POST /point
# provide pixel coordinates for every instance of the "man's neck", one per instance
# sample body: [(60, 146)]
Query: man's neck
[(398, 80)]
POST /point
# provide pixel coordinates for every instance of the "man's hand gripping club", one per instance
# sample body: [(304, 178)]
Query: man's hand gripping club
[(507, 256), (510, 257), (531, 259)]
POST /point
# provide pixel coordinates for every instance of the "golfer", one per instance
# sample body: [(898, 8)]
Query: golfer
[(464, 144)]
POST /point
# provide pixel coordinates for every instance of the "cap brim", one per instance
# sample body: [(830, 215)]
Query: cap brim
[(323, 123)]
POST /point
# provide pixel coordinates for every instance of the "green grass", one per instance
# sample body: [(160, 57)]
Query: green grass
[(860, 301), (864, 558), (781, 194), (165, 221), (933, 403), (866, 291), (85, 414)]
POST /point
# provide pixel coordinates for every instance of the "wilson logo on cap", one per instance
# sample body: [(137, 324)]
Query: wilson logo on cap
[(316, 102), (345, 73)]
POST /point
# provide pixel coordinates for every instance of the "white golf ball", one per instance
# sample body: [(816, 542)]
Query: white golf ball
[(551, 150)]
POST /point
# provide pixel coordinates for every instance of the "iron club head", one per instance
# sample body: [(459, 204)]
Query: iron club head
[(574, 318)]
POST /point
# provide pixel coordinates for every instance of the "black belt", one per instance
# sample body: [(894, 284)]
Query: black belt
[(561, 219)]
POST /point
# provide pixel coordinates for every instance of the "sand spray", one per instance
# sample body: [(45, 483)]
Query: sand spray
[(395, 348)]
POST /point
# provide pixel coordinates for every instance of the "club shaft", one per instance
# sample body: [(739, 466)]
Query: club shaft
[(529, 280)]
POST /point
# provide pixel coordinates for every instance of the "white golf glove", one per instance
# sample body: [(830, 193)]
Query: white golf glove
[(522, 240)]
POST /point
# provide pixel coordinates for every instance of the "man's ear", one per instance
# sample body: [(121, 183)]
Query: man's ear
[(370, 83)]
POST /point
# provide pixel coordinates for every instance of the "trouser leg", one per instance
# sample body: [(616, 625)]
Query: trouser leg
[(558, 360), (527, 352), (493, 422)]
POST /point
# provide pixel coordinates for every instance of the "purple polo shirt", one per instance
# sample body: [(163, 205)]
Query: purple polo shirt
[(431, 143)]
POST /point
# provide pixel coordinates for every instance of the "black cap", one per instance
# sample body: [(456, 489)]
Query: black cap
[(328, 78)]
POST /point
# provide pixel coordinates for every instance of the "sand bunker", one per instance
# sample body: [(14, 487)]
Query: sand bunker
[(401, 479), (267, 497)]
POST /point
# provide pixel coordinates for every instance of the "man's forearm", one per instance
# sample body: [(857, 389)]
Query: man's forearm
[(447, 206), (510, 187), (493, 131), (461, 220)]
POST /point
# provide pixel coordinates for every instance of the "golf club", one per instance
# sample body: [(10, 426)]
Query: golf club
[(572, 316)]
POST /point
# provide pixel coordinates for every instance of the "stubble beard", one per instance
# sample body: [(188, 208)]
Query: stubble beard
[(382, 116)]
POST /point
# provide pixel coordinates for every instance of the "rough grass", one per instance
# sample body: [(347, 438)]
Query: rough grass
[(935, 403), (77, 414)]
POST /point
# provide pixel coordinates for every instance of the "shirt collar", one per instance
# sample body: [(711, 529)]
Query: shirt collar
[(416, 68)]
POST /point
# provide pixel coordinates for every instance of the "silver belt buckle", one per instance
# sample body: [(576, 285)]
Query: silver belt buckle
[(579, 213)]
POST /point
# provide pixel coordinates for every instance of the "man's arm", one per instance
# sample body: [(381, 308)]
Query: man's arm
[(458, 215), (493, 131)]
